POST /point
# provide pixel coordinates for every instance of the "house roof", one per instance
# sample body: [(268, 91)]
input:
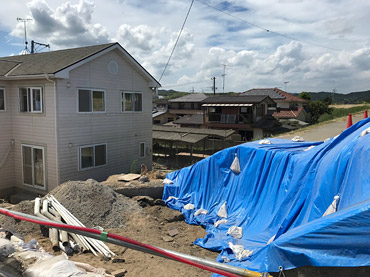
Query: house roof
[(274, 93), (194, 97), (178, 137), (209, 132), (195, 119), (288, 114), (236, 99), (59, 62)]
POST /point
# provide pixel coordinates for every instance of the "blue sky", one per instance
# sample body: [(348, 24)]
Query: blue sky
[(217, 33)]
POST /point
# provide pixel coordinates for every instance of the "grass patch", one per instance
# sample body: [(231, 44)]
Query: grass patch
[(340, 112)]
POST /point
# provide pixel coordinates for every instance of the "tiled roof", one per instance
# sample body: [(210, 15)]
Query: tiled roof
[(274, 93), (195, 119), (235, 99), (193, 97), (288, 114)]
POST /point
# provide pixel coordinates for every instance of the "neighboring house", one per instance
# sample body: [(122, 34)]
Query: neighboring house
[(187, 105), (71, 115), (161, 117), (288, 105), (194, 121), (251, 116)]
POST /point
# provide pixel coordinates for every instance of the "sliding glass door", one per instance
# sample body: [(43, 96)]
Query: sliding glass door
[(33, 159)]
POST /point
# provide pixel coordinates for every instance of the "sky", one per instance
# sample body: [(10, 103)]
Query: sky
[(295, 45)]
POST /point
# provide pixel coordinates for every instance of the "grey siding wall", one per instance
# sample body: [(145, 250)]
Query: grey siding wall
[(122, 132), (27, 128), (7, 178)]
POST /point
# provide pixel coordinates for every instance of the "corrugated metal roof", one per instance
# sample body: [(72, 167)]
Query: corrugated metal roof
[(208, 132), (178, 137), (195, 119), (227, 105), (194, 97), (235, 99), (275, 95)]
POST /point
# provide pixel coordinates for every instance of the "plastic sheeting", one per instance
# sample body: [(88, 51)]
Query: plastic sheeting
[(280, 195)]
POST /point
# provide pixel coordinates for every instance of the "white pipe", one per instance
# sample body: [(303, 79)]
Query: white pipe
[(98, 245), (70, 221)]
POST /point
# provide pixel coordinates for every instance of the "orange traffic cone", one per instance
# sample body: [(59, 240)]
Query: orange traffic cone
[(365, 114), (349, 121)]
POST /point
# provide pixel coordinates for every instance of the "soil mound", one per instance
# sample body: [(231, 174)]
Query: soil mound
[(95, 204)]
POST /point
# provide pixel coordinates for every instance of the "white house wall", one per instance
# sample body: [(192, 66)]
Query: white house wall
[(27, 128), (122, 132)]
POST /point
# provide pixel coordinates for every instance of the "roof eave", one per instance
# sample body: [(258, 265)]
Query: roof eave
[(28, 77)]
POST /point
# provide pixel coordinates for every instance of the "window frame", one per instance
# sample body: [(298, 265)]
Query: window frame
[(142, 143), (43, 166), (4, 94), (93, 156), (123, 101), (30, 105), (91, 92)]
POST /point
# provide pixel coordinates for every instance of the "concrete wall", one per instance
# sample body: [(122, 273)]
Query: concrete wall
[(121, 131)]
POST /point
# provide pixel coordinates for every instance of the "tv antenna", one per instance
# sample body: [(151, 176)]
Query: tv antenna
[(34, 49), (285, 83), (24, 20)]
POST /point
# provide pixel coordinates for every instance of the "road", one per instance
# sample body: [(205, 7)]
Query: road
[(325, 130)]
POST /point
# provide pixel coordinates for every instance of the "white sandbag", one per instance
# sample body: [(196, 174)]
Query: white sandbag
[(200, 211), (219, 222), (222, 212), (189, 207), (171, 197), (235, 166), (365, 132), (298, 139), (235, 232), (167, 181), (31, 257), (239, 251), (264, 141), (56, 266), (309, 148), (333, 206), (6, 248)]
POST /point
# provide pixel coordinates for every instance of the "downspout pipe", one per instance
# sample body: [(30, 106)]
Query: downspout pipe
[(55, 129)]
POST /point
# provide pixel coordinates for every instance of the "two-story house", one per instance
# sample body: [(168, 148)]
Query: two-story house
[(71, 115), (187, 105), (288, 105), (251, 116)]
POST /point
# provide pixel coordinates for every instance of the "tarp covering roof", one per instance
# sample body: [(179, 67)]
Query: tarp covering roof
[(280, 196)]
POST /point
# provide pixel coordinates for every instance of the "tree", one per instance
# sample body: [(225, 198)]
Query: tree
[(316, 109), (305, 95)]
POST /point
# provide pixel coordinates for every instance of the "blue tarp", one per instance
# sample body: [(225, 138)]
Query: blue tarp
[(283, 191)]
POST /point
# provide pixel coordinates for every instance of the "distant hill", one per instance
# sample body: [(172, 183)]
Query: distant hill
[(338, 98)]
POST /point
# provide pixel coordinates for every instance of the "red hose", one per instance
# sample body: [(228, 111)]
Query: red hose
[(121, 238)]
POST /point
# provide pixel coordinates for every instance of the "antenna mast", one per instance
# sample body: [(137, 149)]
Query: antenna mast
[(223, 79), (24, 20)]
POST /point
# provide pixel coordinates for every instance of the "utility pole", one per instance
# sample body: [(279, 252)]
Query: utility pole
[(25, 32), (192, 90), (223, 79), (214, 85)]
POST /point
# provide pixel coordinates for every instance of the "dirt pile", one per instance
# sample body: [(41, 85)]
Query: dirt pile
[(95, 204)]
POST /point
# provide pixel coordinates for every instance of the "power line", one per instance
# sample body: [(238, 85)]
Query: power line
[(191, 83), (177, 40), (267, 30)]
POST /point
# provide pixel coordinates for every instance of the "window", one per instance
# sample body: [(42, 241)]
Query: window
[(93, 156), (2, 99), (31, 99), (228, 118), (132, 102), (142, 150), (91, 101), (33, 166)]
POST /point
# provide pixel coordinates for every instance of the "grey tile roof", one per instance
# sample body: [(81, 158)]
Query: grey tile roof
[(272, 92), (194, 97), (210, 132), (47, 62), (195, 119), (236, 99)]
